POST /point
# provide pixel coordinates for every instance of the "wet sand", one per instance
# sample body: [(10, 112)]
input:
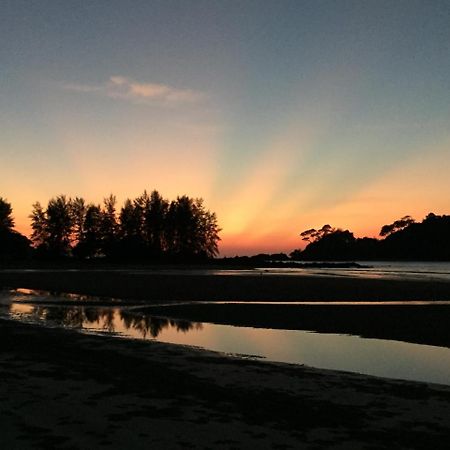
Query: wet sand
[(62, 389), (157, 286)]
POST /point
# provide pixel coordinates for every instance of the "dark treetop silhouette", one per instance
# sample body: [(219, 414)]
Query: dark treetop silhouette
[(404, 239), (148, 227), (12, 244)]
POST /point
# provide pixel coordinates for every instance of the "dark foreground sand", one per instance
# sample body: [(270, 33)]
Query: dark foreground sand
[(62, 389)]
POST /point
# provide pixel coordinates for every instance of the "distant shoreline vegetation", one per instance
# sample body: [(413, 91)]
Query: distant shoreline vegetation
[(405, 239), (152, 229)]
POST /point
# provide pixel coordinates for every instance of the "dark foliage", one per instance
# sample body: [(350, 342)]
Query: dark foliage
[(13, 245), (336, 244), (404, 239), (398, 225), (6, 219), (428, 240), (148, 228)]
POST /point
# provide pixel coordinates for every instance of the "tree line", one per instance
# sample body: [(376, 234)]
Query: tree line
[(148, 227), (404, 239), (152, 228)]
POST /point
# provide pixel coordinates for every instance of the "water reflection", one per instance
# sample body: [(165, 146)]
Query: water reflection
[(381, 357), (26, 295), (107, 319), (378, 357), (153, 326)]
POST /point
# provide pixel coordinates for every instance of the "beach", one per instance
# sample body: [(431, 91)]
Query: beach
[(159, 285), (64, 389)]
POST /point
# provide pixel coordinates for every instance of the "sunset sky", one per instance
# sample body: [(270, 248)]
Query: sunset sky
[(282, 115)]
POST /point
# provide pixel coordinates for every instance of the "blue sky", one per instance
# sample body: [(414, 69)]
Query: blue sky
[(283, 115)]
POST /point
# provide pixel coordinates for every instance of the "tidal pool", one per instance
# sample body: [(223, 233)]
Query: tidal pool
[(379, 357)]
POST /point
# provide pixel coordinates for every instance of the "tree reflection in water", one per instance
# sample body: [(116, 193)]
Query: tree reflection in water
[(107, 319), (149, 325)]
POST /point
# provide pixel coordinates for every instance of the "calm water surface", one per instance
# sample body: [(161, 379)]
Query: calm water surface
[(410, 270), (386, 358)]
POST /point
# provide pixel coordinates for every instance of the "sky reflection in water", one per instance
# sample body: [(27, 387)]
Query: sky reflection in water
[(378, 357)]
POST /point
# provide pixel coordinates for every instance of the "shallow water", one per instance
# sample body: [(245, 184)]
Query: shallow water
[(409, 270), (380, 357), (404, 270)]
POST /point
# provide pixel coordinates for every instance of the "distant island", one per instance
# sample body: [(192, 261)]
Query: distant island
[(151, 229)]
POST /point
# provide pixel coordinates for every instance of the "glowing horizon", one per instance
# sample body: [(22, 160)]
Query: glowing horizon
[(283, 117)]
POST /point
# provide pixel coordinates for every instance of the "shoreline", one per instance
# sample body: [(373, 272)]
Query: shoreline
[(71, 390), (154, 287), (65, 389)]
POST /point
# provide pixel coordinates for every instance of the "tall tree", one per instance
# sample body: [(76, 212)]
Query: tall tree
[(131, 224), (109, 225), (192, 231), (13, 245), (208, 231), (89, 244), (6, 218), (130, 220), (38, 217), (53, 227), (78, 211), (155, 214), (59, 225)]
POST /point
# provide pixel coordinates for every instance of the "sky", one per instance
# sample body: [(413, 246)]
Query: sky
[(283, 115)]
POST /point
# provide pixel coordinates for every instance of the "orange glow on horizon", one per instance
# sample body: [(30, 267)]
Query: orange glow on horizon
[(254, 220)]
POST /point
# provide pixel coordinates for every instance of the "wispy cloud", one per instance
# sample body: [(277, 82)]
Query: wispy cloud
[(128, 89)]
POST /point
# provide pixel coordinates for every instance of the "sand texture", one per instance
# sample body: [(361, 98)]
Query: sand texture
[(158, 286), (62, 389)]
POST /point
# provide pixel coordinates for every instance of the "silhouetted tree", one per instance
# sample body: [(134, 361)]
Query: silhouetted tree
[(131, 217), (130, 220), (146, 227), (428, 240), (155, 215), (192, 231), (404, 239), (396, 226), (89, 244), (78, 211), (208, 231), (326, 243), (53, 227), (313, 235), (38, 217), (59, 225), (13, 245), (109, 226), (6, 218)]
